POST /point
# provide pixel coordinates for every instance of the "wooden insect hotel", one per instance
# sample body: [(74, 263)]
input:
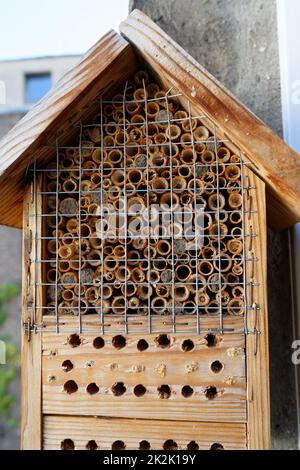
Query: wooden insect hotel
[(143, 186)]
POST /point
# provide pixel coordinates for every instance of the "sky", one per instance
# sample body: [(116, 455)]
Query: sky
[(34, 28)]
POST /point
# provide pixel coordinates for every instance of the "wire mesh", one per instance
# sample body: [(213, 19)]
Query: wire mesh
[(147, 163)]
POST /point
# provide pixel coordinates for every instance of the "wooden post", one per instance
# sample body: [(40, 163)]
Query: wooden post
[(257, 346), (31, 421)]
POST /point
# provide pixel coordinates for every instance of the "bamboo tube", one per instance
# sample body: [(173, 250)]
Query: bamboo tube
[(52, 171), (235, 306), (182, 272), (134, 176), (119, 305), (152, 109), (208, 177), (189, 307), (235, 200), (136, 204), (223, 263), (182, 115), (139, 243), (173, 132), (53, 275), (87, 148), (51, 220), (144, 265), (171, 151), (223, 155), (235, 159), (158, 305), (133, 108), (153, 276), (216, 202), (199, 147), (152, 88), (232, 173), (163, 247), (213, 307), (123, 274), (64, 308), (235, 217), (201, 133), (109, 276), (110, 264), (186, 140), (181, 293), (186, 199), (138, 275), (82, 306), (117, 177), (79, 289), (133, 302), (92, 295), (144, 292), (232, 278), (205, 268), (203, 299), (225, 297), (207, 157), (236, 232), (102, 306), (119, 251), (218, 230), (160, 138), (70, 185), (169, 200), (162, 291), (66, 251), (179, 183), (235, 246), (237, 269), (188, 125), (139, 94), (187, 156), (95, 257), (238, 291), (158, 184)]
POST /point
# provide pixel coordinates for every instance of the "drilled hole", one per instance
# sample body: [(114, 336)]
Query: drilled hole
[(139, 390), (216, 367), (142, 345), (144, 445), (187, 391), (119, 342), (92, 388), (118, 445), (70, 387), (211, 392), (170, 445), (98, 342), (192, 446), (163, 341), (216, 446), (74, 340), (67, 365), (67, 444), (187, 345), (91, 445), (118, 389), (164, 391), (211, 340)]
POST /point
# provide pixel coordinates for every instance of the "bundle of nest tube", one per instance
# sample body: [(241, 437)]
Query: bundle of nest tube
[(142, 151)]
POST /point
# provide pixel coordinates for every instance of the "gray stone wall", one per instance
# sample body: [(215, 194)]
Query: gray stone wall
[(237, 42)]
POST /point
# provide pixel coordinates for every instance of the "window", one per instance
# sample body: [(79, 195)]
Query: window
[(36, 86)]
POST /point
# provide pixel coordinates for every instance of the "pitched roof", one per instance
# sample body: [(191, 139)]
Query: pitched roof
[(112, 60)]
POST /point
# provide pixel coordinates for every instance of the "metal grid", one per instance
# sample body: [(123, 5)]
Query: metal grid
[(209, 295)]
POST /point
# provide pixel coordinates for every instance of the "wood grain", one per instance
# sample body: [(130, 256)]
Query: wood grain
[(106, 64), (132, 431), (276, 163), (31, 417), (258, 365)]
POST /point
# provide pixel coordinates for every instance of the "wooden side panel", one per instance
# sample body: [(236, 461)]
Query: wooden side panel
[(276, 163), (105, 432), (183, 379), (257, 346), (31, 417), (108, 63)]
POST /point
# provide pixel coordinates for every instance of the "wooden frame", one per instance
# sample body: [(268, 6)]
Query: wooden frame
[(31, 351)]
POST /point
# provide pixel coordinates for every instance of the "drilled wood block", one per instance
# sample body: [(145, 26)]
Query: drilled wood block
[(65, 432)]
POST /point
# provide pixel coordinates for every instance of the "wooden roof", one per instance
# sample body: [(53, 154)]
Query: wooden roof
[(112, 60)]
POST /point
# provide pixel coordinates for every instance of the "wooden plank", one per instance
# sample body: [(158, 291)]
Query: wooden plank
[(173, 366), (106, 64), (140, 324), (105, 432), (276, 163), (31, 418), (258, 364)]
